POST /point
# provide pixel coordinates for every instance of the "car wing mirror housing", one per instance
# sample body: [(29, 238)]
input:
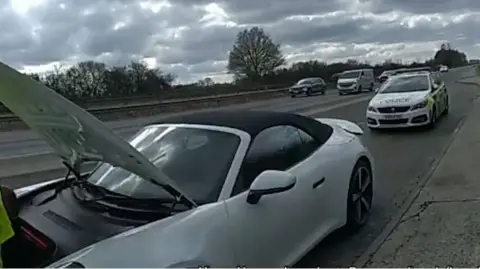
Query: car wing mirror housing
[(270, 182)]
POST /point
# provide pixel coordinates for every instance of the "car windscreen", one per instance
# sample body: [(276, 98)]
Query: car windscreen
[(354, 74), (196, 159), (405, 84), (305, 81)]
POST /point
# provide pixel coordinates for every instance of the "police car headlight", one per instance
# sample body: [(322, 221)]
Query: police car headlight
[(372, 109), (420, 105)]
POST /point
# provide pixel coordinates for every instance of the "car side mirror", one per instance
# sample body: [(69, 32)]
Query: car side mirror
[(434, 87), (270, 182)]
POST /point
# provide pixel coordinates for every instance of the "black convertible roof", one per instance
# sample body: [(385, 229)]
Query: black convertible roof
[(253, 121)]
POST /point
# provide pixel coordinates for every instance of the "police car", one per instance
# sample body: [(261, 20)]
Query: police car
[(408, 100)]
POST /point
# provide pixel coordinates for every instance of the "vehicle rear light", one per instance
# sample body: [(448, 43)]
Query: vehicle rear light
[(33, 238)]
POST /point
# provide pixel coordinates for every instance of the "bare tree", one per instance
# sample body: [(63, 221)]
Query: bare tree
[(254, 55)]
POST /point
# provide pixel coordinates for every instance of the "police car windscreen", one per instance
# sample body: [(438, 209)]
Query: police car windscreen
[(405, 84)]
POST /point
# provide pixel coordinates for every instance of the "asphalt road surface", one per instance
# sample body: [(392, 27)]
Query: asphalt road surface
[(21, 143), (402, 157)]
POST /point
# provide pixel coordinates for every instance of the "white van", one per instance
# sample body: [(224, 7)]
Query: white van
[(355, 81)]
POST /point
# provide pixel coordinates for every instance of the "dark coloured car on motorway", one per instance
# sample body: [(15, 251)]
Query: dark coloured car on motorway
[(308, 86)]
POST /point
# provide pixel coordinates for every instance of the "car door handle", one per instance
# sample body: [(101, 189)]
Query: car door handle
[(318, 183)]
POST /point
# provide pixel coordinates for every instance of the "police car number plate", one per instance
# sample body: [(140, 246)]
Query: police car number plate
[(392, 117)]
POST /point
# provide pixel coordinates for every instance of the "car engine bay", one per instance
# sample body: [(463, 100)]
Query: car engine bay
[(54, 223)]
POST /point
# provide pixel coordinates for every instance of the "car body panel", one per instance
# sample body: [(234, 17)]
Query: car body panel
[(396, 110), (277, 231), (398, 99), (275, 246), (218, 234), (252, 227), (200, 235)]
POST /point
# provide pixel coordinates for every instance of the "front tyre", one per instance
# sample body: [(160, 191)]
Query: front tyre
[(360, 196), (433, 118), (447, 107)]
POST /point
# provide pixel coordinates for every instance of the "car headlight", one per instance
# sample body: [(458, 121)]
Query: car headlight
[(420, 105), (372, 109)]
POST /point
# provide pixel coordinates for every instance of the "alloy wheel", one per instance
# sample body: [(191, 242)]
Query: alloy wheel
[(362, 195)]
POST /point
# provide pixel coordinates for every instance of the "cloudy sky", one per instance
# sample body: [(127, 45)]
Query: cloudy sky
[(191, 38)]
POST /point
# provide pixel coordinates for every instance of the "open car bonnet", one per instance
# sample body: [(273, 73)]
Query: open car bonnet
[(73, 133)]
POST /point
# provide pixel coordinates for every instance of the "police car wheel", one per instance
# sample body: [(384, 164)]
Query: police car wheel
[(447, 108), (433, 118)]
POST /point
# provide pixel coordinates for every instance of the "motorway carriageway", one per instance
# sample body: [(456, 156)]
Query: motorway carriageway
[(402, 157)]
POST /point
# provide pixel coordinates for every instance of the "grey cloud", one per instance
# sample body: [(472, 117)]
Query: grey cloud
[(266, 11), (80, 30), (316, 30), (15, 35), (89, 25), (395, 33), (425, 6), (199, 44)]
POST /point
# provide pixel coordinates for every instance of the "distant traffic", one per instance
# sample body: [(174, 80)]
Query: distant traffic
[(353, 81)]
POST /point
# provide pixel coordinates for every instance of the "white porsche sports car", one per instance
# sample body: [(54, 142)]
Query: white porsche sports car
[(217, 189)]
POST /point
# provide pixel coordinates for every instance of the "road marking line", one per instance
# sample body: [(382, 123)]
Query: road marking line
[(324, 109), (303, 106)]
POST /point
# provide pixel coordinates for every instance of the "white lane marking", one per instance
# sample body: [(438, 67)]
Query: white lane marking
[(305, 104), (26, 155), (324, 109)]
